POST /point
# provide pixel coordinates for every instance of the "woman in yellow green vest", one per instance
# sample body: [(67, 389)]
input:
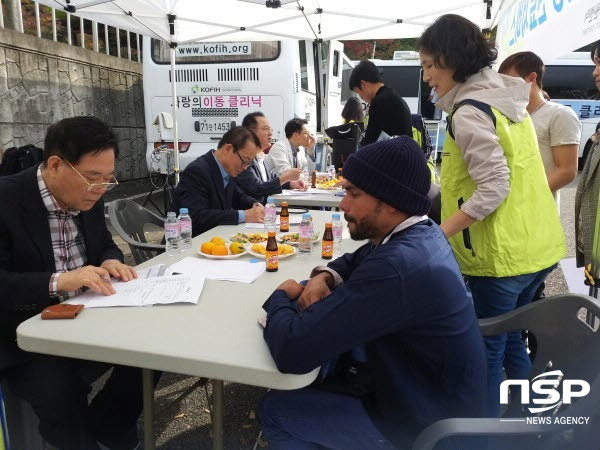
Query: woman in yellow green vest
[(497, 209)]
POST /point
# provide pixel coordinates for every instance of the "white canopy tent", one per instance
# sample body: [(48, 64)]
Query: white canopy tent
[(183, 21)]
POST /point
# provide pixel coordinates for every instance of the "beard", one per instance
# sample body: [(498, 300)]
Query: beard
[(364, 228)]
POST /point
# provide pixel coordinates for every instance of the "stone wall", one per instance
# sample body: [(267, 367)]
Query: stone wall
[(42, 81)]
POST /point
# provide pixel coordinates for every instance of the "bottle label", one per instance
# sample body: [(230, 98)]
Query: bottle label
[(185, 227), (337, 232), (284, 223), (272, 260), (171, 231), (327, 248)]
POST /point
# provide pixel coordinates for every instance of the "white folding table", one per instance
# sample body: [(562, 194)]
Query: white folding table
[(219, 338)]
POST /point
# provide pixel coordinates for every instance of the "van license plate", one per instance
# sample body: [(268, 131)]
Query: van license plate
[(214, 126)]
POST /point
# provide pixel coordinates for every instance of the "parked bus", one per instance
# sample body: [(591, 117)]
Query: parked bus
[(219, 83), (568, 80)]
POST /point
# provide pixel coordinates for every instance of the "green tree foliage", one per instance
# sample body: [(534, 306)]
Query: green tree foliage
[(384, 48)]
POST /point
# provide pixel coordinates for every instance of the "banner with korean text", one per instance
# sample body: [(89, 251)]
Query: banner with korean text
[(550, 28)]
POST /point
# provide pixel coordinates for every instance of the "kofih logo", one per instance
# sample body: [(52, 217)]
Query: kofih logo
[(545, 385)]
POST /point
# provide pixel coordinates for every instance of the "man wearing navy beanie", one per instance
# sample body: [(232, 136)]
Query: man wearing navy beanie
[(400, 298)]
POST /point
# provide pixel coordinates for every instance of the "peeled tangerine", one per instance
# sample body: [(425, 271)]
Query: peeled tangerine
[(207, 247), (236, 248), (218, 240), (220, 250)]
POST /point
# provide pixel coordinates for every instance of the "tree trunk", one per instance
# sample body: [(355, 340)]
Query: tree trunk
[(12, 17)]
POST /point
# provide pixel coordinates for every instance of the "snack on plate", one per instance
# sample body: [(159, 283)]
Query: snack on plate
[(246, 238), (293, 238), (331, 184), (282, 249)]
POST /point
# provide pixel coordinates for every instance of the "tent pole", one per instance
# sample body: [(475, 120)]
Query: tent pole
[(174, 113)]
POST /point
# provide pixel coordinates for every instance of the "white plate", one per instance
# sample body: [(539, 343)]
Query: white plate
[(260, 255), (279, 236), (222, 256)]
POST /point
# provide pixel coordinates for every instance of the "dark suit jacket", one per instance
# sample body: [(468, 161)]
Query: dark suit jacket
[(27, 259), (201, 191), (251, 183)]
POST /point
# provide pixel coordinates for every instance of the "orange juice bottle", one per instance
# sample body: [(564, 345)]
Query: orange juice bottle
[(327, 244), (284, 218), (272, 255)]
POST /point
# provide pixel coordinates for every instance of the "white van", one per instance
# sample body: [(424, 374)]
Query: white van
[(219, 83)]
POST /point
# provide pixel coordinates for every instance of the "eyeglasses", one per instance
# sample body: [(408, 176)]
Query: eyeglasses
[(244, 163), (95, 186)]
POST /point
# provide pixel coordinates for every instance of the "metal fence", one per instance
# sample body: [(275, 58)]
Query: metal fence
[(61, 26)]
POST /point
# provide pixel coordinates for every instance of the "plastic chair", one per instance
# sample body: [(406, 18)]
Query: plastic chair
[(566, 329), (128, 219)]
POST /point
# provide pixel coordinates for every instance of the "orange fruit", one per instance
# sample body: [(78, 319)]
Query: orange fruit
[(236, 248), (207, 247), (218, 240), (220, 250)]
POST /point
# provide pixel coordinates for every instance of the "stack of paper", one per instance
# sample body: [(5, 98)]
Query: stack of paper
[(146, 292), (295, 193), (225, 270)]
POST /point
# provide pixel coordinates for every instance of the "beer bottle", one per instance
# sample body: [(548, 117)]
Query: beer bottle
[(284, 218), (339, 176), (313, 179), (327, 244), (272, 255)]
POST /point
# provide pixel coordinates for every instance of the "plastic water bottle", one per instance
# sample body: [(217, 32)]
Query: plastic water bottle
[(270, 215), (338, 228), (305, 176), (172, 233), (305, 232), (185, 229)]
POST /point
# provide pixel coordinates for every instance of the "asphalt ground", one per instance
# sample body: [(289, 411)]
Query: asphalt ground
[(182, 413)]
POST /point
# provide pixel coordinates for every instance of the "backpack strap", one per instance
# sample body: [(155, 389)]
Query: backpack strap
[(484, 107)]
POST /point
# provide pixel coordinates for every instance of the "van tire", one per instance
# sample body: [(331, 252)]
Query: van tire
[(586, 152)]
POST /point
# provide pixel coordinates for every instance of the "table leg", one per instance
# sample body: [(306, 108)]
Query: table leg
[(148, 393), (217, 414)]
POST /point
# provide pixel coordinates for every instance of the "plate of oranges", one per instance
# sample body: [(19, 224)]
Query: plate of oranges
[(218, 248)]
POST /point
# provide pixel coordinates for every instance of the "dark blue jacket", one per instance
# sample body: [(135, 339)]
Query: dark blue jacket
[(406, 300), (251, 183), (210, 204)]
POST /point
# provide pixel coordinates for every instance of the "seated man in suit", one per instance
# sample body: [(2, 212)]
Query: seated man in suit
[(54, 244), (295, 151), (259, 181), (206, 187)]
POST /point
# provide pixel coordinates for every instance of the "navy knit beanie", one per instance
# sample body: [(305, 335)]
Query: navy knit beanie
[(393, 171)]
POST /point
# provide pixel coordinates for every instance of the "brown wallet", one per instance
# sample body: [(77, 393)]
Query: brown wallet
[(61, 311)]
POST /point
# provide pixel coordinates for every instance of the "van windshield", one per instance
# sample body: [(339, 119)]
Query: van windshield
[(216, 52)]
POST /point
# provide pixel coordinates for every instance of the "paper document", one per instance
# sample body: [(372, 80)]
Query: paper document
[(151, 272), (225, 270), (289, 192), (146, 292)]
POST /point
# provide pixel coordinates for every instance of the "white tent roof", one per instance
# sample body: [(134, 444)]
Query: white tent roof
[(252, 20)]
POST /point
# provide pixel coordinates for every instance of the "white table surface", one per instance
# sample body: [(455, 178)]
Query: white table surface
[(322, 198), (218, 338)]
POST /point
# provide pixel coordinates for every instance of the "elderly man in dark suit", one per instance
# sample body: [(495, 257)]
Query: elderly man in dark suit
[(53, 244), (259, 181), (208, 189)]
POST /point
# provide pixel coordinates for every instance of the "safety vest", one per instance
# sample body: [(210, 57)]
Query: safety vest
[(523, 235)]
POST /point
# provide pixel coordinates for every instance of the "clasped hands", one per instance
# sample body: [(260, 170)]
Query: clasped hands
[(96, 279), (316, 289)]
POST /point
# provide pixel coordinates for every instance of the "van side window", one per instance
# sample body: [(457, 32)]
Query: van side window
[(569, 82), (303, 66)]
